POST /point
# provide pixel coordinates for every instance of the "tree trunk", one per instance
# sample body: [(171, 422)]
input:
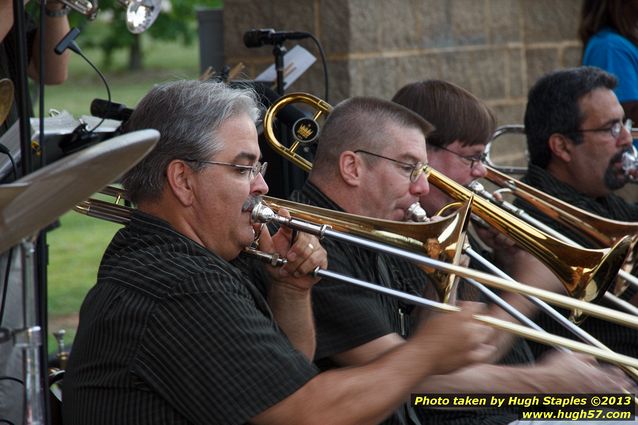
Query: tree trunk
[(135, 54)]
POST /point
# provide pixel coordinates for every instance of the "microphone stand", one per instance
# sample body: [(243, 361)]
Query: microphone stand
[(279, 51), (29, 339)]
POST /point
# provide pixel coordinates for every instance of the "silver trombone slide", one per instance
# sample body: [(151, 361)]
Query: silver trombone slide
[(263, 214), (566, 323), (517, 329)]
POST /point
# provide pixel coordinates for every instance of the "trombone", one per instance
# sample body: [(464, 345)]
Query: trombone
[(602, 232), (263, 213), (585, 273)]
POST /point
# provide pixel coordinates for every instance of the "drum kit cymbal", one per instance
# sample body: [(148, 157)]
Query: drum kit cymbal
[(37, 199), (34, 201)]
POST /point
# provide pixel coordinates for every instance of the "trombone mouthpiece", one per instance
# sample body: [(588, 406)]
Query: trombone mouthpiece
[(629, 161), (261, 213), (479, 189), (416, 213)]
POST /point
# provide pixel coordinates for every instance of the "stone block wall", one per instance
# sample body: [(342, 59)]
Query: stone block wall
[(494, 48)]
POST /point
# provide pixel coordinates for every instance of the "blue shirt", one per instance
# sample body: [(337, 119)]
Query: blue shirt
[(612, 52)]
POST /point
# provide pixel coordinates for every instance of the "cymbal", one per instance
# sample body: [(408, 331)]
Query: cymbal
[(6, 98), (37, 199)]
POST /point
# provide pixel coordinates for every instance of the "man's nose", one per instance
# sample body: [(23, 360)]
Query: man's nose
[(478, 170), (421, 186), (259, 185), (625, 139)]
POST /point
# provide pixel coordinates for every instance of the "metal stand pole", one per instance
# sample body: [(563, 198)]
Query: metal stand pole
[(279, 51), (29, 340)]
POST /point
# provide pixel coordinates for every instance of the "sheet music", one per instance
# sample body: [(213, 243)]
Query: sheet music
[(296, 61)]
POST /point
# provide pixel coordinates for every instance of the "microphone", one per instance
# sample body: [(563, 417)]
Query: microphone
[(259, 37), (110, 110), (68, 42)]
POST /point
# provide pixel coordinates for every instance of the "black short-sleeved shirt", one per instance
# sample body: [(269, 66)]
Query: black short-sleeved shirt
[(173, 334), (619, 338), (348, 316)]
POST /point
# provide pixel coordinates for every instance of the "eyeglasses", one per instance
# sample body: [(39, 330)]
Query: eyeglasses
[(414, 170), (615, 129), (250, 170), (473, 159)]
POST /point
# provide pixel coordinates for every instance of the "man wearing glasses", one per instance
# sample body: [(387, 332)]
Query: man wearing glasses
[(176, 330), (576, 135), (372, 160), (463, 126)]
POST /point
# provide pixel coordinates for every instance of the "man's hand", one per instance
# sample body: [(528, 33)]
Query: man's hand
[(304, 255), (579, 373), (455, 340)]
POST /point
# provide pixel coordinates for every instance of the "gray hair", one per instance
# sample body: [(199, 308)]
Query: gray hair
[(361, 123), (188, 115)]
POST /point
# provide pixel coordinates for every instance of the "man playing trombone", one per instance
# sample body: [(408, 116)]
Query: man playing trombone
[(371, 160), (576, 136), (175, 330)]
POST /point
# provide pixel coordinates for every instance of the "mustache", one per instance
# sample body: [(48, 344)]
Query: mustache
[(250, 203)]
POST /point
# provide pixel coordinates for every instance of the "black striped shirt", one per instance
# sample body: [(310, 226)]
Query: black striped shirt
[(173, 334), (348, 316), (619, 338)]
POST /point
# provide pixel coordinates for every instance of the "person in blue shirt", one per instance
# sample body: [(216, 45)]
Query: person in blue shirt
[(609, 32)]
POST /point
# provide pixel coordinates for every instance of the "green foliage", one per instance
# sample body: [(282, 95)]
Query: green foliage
[(176, 23)]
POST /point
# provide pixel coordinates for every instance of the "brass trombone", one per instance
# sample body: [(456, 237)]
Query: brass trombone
[(262, 213), (585, 273), (601, 231)]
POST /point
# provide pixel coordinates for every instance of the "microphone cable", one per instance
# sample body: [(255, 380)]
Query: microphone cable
[(69, 42), (6, 151), (323, 63)]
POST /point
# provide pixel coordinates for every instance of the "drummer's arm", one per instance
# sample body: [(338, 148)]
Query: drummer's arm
[(55, 66)]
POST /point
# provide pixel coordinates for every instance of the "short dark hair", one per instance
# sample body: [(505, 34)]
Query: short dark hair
[(455, 113), (553, 107), (361, 123), (187, 114), (620, 15)]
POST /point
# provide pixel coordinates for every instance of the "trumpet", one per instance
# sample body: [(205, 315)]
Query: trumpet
[(140, 14), (88, 8), (585, 273), (263, 213)]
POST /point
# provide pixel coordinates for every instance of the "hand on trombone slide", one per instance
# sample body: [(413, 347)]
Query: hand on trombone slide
[(454, 340), (574, 372), (302, 251)]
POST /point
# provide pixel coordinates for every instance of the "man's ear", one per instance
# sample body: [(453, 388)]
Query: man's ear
[(561, 146), (180, 180), (350, 168)]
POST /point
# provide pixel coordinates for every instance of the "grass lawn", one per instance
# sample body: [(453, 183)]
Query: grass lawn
[(76, 247)]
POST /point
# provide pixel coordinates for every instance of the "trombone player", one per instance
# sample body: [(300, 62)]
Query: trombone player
[(576, 135), (176, 332), (371, 160)]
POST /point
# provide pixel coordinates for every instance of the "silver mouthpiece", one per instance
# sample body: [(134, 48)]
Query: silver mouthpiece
[(630, 163), (262, 213), (416, 213)]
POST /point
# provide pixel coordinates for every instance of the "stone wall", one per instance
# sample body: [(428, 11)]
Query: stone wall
[(494, 48)]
